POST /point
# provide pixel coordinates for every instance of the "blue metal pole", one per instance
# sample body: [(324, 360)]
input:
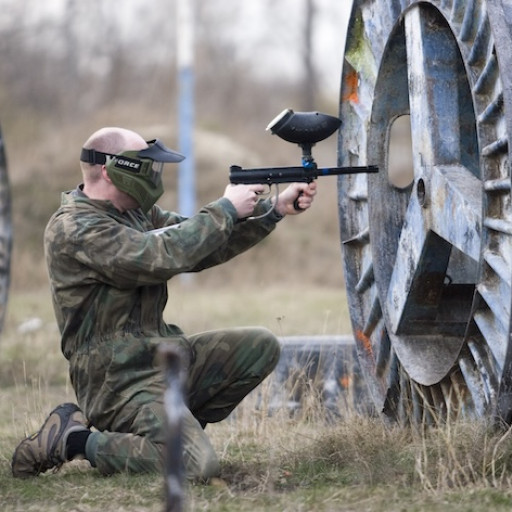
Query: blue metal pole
[(186, 170), (186, 113)]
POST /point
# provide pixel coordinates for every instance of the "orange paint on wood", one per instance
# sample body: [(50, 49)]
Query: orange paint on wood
[(351, 85), (345, 381), (365, 341)]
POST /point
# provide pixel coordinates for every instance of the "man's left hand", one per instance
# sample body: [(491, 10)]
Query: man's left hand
[(297, 194)]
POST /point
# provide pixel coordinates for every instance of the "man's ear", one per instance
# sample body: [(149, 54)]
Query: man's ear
[(104, 174)]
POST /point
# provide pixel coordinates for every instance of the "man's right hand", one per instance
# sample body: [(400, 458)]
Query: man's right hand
[(244, 198)]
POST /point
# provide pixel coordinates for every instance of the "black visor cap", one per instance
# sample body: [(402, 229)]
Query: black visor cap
[(159, 153)]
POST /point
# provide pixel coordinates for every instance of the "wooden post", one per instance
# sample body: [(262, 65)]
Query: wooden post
[(174, 404)]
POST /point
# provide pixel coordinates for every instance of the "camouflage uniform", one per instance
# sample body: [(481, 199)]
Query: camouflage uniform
[(109, 288)]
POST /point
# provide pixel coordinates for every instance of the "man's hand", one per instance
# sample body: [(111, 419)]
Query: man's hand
[(244, 198), (301, 194)]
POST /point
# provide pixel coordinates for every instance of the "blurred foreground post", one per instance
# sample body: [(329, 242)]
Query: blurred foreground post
[(174, 405)]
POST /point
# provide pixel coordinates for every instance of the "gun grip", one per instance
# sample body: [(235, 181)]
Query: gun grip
[(296, 203)]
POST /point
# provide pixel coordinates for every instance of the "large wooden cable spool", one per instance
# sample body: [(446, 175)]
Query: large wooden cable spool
[(5, 233), (428, 255)]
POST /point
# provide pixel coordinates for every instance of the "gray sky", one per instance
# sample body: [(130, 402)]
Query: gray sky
[(266, 33)]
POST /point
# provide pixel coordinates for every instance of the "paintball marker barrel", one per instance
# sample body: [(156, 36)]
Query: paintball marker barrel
[(275, 175), (304, 129)]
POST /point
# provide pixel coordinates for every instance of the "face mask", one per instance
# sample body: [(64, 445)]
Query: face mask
[(137, 173)]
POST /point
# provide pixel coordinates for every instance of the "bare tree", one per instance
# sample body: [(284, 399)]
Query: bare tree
[(309, 83)]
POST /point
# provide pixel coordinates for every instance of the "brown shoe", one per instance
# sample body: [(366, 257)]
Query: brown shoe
[(46, 448)]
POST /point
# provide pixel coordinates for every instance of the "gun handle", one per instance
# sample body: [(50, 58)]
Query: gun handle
[(296, 203)]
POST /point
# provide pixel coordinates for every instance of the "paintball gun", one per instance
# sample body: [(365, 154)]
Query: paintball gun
[(304, 129)]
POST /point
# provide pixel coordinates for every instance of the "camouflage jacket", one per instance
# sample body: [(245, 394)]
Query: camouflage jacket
[(109, 276)]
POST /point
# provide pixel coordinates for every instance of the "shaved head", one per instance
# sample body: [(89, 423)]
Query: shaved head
[(110, 140), (114, 140)]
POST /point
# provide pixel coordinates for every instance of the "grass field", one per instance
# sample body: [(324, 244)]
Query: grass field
[(269, 462)]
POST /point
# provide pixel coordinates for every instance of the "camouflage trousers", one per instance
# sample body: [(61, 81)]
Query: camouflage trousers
[(228, 365)]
